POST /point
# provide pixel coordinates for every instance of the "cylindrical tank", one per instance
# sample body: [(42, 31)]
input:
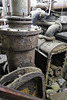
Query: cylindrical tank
[(19, 8), (21, 37), (58, 4)]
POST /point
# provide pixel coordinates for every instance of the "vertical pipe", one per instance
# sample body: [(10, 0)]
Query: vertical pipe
[(19, 7), (20, 43)]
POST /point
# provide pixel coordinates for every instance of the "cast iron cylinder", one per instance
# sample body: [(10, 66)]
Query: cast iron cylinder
[(19, 8), (20, 38), (20, 45)]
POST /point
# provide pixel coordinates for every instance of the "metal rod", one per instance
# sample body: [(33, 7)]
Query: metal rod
[(29, 7), (4, 8)]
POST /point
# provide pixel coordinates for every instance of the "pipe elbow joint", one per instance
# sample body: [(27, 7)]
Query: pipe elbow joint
[(38, 13), (53, 29)]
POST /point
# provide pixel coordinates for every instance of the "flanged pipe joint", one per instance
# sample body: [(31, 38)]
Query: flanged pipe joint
[(20, 38), (52, 30)]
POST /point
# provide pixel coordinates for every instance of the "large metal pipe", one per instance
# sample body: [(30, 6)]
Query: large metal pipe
[(58, 4), (19, 8), (42, 5)]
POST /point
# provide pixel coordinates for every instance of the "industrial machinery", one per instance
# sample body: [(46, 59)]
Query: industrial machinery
[(19, 40), (51, 52), (36, 63)]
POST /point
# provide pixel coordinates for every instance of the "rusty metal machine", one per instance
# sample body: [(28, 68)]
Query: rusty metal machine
[(51, 52), (52, 56), (19, 40), (36, 63)]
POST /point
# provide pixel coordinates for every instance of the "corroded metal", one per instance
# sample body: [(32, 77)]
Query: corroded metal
[(20, 46), (3, 65), (53, 63), (59, 96), (53, 47), (50, 48), (12, 94), (26, 80), (57, 69), (21, 37), (19, 22), (19, 40)]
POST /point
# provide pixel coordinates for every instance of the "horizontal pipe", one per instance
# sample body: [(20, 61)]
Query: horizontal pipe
[(42, 5), (58, 4)]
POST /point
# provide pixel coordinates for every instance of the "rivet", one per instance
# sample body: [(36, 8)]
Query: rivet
[(8, 29), (18, 30), (28, 29), (35, 28)]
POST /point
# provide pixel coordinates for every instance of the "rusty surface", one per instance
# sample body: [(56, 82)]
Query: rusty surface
[(54, 55), (53, 47), (19, 22), (50, 48), (20, 38), (12, 94), (20, 46), (20, 59), (14, 74), (20, 42), (32, 31), (26, 79), (59, 96)]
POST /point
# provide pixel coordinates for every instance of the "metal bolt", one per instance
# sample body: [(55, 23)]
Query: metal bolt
[(29, 29), (35, 28), (19, 75), (8, 29), (18, 30), (30, 15), (39, 27), (23, 14)]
